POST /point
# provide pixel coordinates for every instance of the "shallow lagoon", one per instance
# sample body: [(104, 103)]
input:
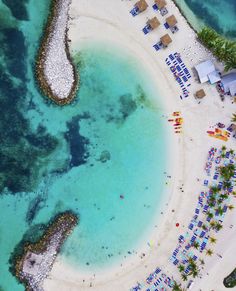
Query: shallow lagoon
[(103, 156)]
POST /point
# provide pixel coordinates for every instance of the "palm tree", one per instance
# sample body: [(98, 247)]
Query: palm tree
[(218, 226), (220, 210), (212, 223), (233, 117), (223, 196), (196, 245), (195, 273), (212, 240), (184, 277), (209, 252), (226, 184), (231, 207), (214, 190), (223, 155), (204, 227), (176, 287), (231, 151), (181, 268), (209, 214), (223, 148)]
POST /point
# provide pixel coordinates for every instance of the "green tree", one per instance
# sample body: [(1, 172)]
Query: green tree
[(181, 268), (231, 207), (234, 117), (212, 240), (196, 245), (176, 287), (218, 226), (209, 252), (184, 277)]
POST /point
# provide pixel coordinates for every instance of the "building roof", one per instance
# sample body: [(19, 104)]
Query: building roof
[(142, 5), (200, 94), (160, 3), (214, 77), (153, 22), (166, 39), (204, 69), (227, 80), (171, 20)]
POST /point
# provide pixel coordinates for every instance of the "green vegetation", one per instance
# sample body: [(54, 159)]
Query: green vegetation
[(223, 49), (230, 280), (234, 117)]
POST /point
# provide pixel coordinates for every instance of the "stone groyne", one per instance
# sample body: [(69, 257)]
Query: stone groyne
[(55, 71), (32, 267)]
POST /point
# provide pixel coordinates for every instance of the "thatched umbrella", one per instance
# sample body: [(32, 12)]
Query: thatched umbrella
[(171, 20), (200, 94), (142, 5), (153, 22), (166, 39), (160, 3)]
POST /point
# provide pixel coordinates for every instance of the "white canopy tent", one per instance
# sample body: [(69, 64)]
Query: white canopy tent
[(207, 72)]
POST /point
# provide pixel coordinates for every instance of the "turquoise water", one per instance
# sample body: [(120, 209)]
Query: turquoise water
[(110, 143), (219, 14)]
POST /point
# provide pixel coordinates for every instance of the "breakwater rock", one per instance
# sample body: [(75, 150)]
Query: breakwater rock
[(55, 71), (36, 261)]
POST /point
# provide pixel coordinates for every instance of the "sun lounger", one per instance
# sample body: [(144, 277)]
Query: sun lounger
[(176, 262), (166, 25), (155, 7), (146, 29), (178, 68), (197, 210), (134, 11), (156, 47), (206, 182)]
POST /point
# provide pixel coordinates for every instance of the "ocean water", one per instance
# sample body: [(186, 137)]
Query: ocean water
[(109, 144), (218, 14)]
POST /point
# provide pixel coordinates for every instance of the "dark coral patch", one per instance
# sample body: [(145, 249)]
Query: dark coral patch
[(77, 143), (18, 8)]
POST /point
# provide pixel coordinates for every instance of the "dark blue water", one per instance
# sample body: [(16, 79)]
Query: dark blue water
[(218, 14)]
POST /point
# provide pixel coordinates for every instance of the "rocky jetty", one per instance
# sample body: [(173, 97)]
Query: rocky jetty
[(34, 265), (55, 71)]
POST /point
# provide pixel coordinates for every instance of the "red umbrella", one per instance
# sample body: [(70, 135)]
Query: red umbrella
[(177, 224)]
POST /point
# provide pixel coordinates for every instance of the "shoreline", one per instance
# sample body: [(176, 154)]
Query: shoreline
[(41, 78), (183, 14), (189, 148), (56, 232)]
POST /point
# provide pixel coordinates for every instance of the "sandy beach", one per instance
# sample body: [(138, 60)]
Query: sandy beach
[(111, 22)]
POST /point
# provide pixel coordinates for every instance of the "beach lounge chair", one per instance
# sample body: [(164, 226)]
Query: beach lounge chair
[(197, 210), (166, 25), (134, 11), (146, 29), (155, 7), (171, 57), (206, 183)]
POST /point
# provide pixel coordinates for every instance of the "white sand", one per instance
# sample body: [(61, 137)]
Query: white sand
[(110, 21)]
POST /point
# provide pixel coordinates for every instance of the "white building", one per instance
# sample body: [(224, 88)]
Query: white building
[(207, 72), (229, 83)]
